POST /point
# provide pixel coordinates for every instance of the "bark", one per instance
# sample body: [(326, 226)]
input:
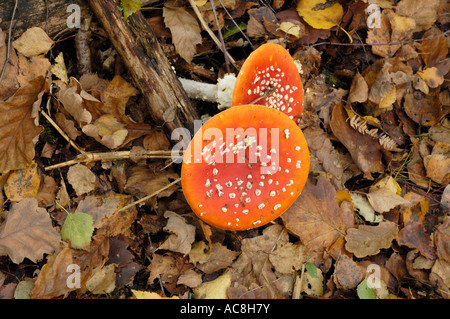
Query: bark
[(152, 74), (32, 13)]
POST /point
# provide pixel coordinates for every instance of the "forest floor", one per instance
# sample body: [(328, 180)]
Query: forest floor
[(372, 221)]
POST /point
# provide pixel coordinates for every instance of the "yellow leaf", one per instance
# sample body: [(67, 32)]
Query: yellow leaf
[(319, 15), (215, 289), (431, 77), (33, 42), (388, 99), (342, 195), (23, 183), (138, 294), (290, 28)]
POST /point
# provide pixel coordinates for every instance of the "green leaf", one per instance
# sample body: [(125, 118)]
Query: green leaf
[(364, 291), (130, 7), (77, 229), (311, 269)]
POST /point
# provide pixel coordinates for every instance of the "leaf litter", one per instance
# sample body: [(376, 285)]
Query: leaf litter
[(375, 118)]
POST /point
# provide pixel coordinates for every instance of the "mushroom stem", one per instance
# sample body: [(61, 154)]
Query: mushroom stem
[(220, 93)]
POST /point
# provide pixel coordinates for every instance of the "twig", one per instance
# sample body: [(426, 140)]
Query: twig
[(114, 156), (9, 41), (237, 26), (211, 34), (224, 49), (143, 199), (63, 134)]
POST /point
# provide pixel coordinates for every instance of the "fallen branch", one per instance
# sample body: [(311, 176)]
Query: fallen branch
[(114, 156)]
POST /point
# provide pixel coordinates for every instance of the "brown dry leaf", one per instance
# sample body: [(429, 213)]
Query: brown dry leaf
[(53, 278), (23, 183), (155, 141), (47, 191), (81, 178), (116, 95), (255, 268), (182, 234), (333, 162), (424, 12), (18, 131), (31, 68), (288, 257), (59, 68), (34, 41), (437, 164), (383, 200), (100, 207), (107, 130), (315, 216), (68, 126), (27, 232), (359, 90), (414, 236), (144, 181), (103, 281), (164, 268), (402, 27), (73, 102), (365, 151), (380, 36), (348, 273), (185, 31), (9, 83), (368, 240), (442, 240), (219, 257), (190, 278)]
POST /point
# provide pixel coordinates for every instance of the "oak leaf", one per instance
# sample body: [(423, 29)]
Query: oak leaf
[(18, 130), (185, 31), (27, 232), (368, 240)]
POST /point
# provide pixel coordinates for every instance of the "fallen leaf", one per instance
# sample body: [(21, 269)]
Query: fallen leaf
[(288, 257), (182, 234), (359, 89), (18, 131), (103, 281), (185, 31), (313, 282), (215, 289), (149, 295), (348, 273), (9, 83), (23, 183), (190, 278), (52, 280), (144, 180), (164, 268), (129, 7), (315, 216), (77, 230), (34, 41), (30, 68), (219, 257), (23, 289), (364, 150), (432, 77), (68, 126), (107, 130), (364, 291), (47, 191), (100, 208), (320, 14), (424, 12), (381, 35), (365, 209), (59, 68), (383, 200), (81, 178), (414, 236), (27, 232), (368, 240), (442, 238), (437, 164)]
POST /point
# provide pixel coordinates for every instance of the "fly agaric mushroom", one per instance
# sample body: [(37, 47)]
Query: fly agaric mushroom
[(244, 167), (270, 77)]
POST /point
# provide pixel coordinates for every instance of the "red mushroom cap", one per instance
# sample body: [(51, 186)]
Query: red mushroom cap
[(245, 167), (270, 77)]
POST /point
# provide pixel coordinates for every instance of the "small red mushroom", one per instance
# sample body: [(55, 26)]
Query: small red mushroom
[(245, 167), (270, 77)]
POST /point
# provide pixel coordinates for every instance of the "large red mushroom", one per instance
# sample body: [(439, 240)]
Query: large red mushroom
[(270, 77), (245, 167)]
